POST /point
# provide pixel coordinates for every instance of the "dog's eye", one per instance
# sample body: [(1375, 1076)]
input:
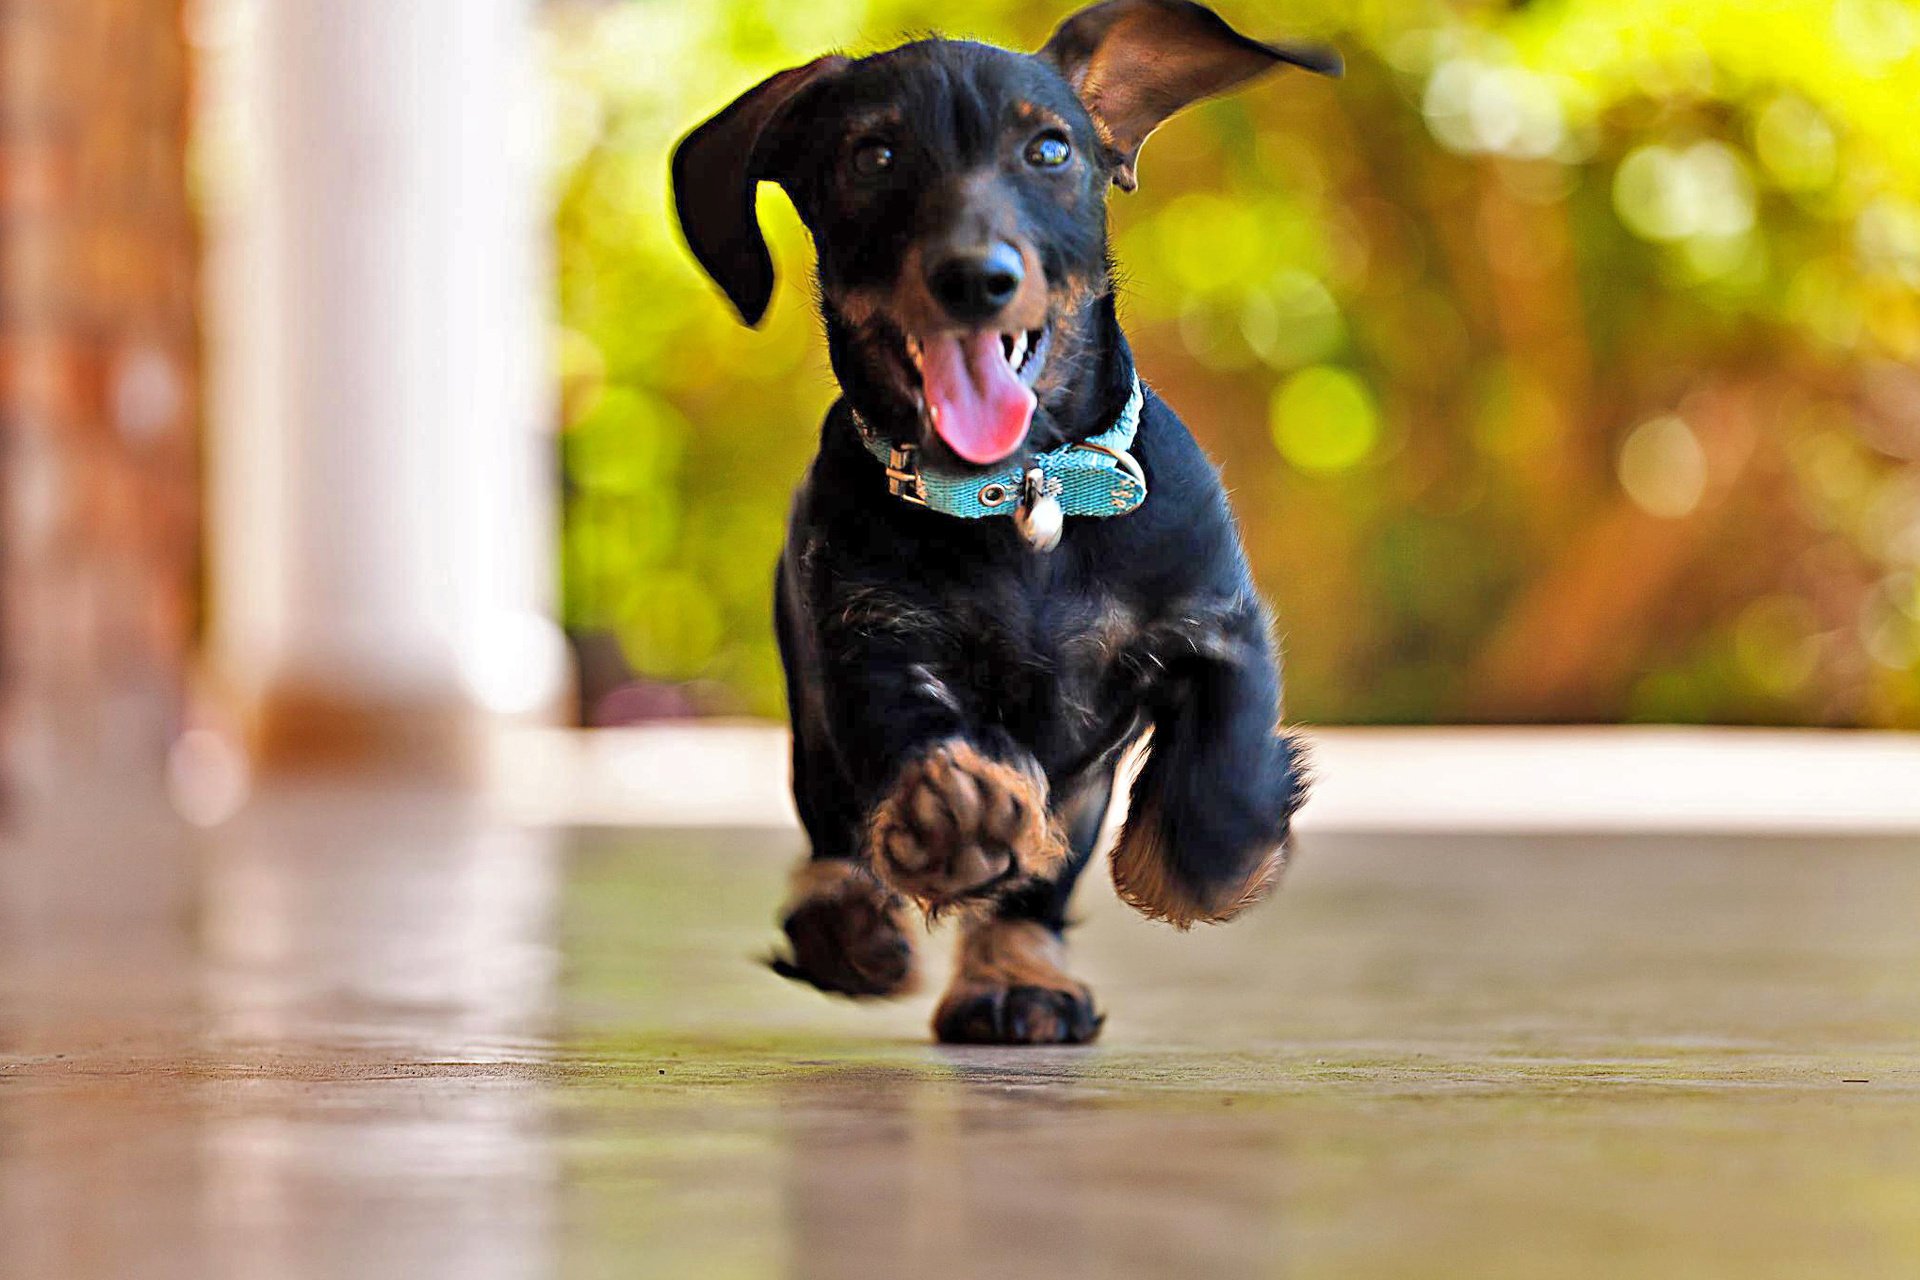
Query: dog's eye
[(1048, 151), (871, 159)]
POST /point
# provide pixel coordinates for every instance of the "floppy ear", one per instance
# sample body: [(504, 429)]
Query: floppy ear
[(716, 170), (1136, 62)]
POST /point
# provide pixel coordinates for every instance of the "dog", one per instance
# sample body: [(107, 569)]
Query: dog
[(1009, 561)]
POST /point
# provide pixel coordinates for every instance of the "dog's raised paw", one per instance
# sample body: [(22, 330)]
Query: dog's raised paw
[(1009, 988), (848, 933), (958, 825)]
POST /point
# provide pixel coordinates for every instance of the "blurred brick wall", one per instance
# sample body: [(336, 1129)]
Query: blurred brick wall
[(99, 469)]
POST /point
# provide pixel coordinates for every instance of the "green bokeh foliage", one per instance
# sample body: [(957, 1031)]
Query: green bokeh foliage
[(1561, 359)]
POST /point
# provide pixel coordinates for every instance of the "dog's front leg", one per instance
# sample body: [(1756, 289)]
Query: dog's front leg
[(954, 809), (1207, 830)]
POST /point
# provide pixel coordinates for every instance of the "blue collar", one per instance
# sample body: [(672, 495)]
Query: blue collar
[(1091, 477)]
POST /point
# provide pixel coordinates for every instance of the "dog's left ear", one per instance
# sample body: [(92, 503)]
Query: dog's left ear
[(716, 171), (1136, 62)]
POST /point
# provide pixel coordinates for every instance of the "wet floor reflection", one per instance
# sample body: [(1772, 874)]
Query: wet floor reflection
[(981, 1166), (413, 925), (278, 1049), (402, 1177), (374, 1036), (418, 931)]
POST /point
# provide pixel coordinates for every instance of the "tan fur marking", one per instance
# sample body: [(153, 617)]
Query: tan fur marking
[(1012, 953), (1032, 305), (911, 306), (823, 878), (1140, 877), (999, 955), (859, 307), (956, 821)]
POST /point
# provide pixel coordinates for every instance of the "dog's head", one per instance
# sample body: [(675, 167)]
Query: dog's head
[(956, 193)]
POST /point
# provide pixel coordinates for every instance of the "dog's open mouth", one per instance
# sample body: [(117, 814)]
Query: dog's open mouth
[(977, 388)]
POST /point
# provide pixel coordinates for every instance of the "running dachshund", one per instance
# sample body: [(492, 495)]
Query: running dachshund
[(1009, 561)]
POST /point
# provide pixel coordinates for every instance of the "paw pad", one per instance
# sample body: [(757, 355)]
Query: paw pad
[(959, 825)]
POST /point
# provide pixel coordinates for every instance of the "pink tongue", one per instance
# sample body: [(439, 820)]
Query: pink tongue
[(979, 405)]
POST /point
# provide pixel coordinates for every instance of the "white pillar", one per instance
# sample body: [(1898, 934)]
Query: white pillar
[(384, 491)]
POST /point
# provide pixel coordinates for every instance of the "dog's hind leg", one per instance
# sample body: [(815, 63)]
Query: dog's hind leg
[(1010, 984), (1208, 825)]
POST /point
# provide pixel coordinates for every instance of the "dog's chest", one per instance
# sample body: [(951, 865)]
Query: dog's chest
[(1052, 664)]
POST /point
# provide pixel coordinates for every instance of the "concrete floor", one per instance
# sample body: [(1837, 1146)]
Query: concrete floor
[(362, 1037)]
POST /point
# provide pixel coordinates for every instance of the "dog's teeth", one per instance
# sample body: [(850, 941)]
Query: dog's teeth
[(1031, 344), (1017, 350)]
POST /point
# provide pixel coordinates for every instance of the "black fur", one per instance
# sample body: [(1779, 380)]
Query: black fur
[(901, 627)]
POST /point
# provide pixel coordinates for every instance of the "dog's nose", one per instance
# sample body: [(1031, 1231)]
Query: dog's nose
[(973, 287)]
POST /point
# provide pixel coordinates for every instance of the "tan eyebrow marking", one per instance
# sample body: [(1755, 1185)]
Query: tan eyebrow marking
[(1031, 114), (867, 121)]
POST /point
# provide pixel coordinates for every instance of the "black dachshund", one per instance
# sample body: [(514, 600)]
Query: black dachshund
[(1009, 560)]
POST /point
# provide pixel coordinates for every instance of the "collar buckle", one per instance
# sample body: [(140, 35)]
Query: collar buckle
[(903, 474)]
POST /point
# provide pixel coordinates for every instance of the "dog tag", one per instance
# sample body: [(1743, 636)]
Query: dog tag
[(1039, 517)]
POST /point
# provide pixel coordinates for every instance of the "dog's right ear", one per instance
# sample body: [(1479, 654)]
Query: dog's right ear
[(717, 169)]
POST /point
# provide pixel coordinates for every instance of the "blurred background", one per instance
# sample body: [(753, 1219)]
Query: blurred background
[(1561, 360)]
